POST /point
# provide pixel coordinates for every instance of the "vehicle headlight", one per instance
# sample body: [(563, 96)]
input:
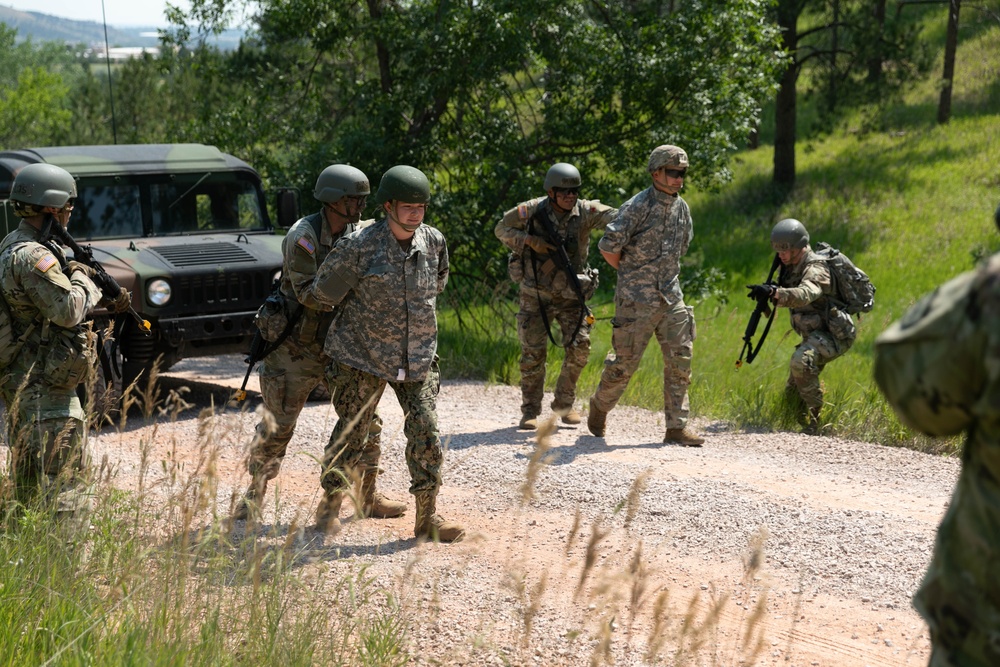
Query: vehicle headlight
[(276, 276), (158, 292)]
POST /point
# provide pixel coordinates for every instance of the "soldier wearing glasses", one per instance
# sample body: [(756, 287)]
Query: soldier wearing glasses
[(645, 243), (551, 294), (290, 373)]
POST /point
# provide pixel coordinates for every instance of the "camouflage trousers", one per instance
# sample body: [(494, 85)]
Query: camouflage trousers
[(48, 460), (634, 324), (531, 331), (816, 350), (960, 594), (287, 377), (355, 398)]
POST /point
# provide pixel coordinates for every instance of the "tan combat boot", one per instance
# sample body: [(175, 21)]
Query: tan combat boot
[(596, 420), (683, 436), (568, 415), (252, 499), (376, 505), (528, 422), (432, 525), (328, 513)]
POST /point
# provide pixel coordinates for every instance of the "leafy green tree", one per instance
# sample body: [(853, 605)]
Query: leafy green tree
[(854, 54), (486, 96), (32, 90)]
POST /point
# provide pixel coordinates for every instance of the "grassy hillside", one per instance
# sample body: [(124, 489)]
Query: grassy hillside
[(912, 204)]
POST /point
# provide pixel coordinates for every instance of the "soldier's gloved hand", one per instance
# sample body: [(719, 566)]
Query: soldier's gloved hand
[(119, 304), (538, 244), (758, 292), (72, 266)]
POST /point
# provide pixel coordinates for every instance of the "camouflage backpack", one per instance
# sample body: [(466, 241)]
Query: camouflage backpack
[(10, 342), (854, 287)]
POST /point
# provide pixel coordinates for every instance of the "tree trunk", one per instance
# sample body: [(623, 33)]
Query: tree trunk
[(831, 92), (875, 64), (785, 110), (950, 46)]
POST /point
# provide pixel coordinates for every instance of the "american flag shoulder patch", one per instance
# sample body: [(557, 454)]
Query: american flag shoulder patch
[(46, 262), (522, 211), (306, 245)]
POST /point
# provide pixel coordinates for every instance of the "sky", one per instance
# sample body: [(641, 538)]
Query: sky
[(118, 12)]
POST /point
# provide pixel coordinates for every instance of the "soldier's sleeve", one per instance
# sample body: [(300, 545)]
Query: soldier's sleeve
[(443, 265), (337, 275), (931, 364), (815, 283), (512, 228), (64, 300), (598, 215), (300, 265), (618, 231)]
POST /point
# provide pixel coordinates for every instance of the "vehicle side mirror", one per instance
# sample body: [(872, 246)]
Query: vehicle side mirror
[(287, 207)]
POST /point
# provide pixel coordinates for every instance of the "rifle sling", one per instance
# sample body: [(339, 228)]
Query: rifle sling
[(565, 265)]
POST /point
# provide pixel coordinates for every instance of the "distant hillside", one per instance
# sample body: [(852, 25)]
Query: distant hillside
[(44, 27)]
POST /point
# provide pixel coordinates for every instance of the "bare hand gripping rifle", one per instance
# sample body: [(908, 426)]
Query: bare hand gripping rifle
[(762, 294)]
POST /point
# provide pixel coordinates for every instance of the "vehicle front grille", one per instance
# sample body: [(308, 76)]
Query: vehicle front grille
[(203, 254), (221, 290)]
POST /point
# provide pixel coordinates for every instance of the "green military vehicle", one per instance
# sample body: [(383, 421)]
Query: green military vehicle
[(185, 228)]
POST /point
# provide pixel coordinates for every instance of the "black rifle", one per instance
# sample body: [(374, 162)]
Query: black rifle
[(260, 348), (763, 308), (562, 261), (105, 282)]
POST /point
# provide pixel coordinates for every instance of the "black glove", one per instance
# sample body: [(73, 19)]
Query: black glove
[(759, 292)]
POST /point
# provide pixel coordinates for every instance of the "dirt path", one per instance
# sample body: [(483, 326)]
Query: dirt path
[(846, 530)]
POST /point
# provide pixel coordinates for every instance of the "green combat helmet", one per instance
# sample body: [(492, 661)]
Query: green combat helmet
[(41, 185), (789, 234), (672, 157), (562, 175), (341, 180), (403, 183)]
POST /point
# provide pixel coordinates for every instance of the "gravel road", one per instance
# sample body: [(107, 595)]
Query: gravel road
[(845, 528)]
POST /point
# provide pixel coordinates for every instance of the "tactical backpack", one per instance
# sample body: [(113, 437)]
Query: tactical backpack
[(854, 288)]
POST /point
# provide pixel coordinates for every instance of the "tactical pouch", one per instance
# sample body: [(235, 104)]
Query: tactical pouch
[(67, 357), (271, 318), (841, 325)]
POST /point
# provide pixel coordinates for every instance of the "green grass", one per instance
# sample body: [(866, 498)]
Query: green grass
[(912, 205)]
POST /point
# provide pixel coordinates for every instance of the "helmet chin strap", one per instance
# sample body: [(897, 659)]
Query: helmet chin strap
[(343, 216)]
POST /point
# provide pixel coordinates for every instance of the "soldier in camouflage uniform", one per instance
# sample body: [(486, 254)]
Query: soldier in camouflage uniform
[(939, 367), (49, 299), (547, 293), (805, 288), (292, 371), (385, 280), (645, 243)]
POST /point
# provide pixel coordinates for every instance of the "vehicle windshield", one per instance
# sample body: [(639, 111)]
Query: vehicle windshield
[(166, 205)]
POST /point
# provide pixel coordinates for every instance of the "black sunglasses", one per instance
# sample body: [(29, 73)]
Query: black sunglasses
[(675, 173), (566, 191)]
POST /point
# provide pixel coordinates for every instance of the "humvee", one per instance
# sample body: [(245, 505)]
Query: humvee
[(185, 228)]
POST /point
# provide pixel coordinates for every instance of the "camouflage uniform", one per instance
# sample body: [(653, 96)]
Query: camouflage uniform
[(826, 331), (939, 367), (652, 231), (384, 332), (544, 285), (46, 422), (290, 373)]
